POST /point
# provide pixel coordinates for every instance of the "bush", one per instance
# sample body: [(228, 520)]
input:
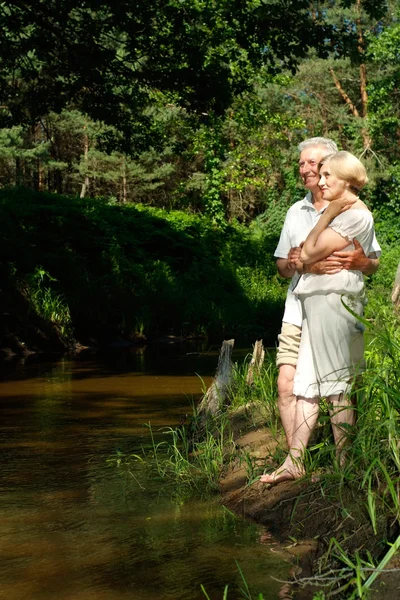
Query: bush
[(122, 269)]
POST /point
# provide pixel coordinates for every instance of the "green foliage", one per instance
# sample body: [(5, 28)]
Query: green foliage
[(194, 105), (262, 389), (110, 59), (183, 106), (46, 302), (210, 144), (120, 269), (381, 283)]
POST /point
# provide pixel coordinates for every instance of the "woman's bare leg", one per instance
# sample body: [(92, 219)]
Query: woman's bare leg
[(306, 416), (342, 419)]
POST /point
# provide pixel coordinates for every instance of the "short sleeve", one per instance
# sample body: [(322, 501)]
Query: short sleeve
[(375, 247), (283, 247), (356, 223)]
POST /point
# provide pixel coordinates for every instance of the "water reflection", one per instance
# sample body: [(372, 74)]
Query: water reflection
[(73, 528)]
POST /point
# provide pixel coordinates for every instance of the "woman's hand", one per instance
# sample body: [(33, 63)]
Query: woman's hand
[(294, 256), (337, 207)]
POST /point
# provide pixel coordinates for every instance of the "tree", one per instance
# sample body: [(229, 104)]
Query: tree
[(355, 22), (384, 51), (108, 59)]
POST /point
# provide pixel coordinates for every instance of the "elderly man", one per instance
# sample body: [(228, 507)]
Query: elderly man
[(300, 219)]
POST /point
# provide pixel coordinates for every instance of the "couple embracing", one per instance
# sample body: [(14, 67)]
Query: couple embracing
[(326, 246)]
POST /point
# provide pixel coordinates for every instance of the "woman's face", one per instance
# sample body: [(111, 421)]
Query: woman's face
[(332, 187)]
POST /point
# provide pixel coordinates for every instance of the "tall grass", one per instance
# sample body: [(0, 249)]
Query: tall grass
[(375, 448), (196, 455), (190, 461), (263, 388), (47, 303), (372, 469), (245, 591)]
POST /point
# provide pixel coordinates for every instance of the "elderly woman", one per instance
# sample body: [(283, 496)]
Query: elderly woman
[(332, 345)]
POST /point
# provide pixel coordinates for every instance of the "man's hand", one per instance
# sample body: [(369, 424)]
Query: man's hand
[(352, 260), (327, 266)]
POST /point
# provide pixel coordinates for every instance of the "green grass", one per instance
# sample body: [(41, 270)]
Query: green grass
[(47, 303), (190, 461), (244, 591)]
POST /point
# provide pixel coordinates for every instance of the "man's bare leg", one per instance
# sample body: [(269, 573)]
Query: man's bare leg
[(286, 400), (306, 416), (342, 418)]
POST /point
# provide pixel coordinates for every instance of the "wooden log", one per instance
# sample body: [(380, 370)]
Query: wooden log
[(216, 394), (396, 289), (256, 361)]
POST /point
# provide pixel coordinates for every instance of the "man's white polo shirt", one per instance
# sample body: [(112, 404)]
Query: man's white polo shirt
[(300, 219)]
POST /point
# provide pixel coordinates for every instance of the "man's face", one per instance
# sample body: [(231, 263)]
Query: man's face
[(309, 166)]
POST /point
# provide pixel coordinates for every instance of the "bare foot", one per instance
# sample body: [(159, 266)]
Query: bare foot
[(287, 472), (278, 476)]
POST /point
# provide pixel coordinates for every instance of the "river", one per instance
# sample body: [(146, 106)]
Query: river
[(74, 526)]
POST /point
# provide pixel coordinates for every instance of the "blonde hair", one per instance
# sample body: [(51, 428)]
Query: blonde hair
[(346, 166)]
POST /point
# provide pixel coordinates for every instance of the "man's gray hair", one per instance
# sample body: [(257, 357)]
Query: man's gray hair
[(330, 145)]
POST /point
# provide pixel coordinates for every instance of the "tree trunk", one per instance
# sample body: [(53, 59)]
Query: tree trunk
[(256, 361), (38, 168), (56, 175), (85, 184), (124, 186), (363, 113), (19, 176), (338, 85), (214, 398), (367, 141), (40, 175)]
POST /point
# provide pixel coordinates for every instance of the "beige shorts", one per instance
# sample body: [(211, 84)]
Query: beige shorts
[(289, 342)]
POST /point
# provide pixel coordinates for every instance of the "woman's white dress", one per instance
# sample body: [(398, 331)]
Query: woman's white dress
[(332, 342)]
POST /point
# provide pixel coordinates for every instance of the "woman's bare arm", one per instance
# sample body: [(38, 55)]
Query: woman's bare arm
[(321, 243), (322, 240)]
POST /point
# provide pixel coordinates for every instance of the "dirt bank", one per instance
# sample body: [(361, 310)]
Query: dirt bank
[(309, 515)]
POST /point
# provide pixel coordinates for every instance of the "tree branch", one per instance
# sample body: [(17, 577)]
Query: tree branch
[(345, 97)]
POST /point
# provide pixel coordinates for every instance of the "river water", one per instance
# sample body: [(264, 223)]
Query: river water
[(74, 526)]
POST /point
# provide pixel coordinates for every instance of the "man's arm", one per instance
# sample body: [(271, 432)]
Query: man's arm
[(351, 260), (356, 260)]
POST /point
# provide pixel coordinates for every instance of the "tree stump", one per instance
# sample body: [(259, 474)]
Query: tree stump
[(256, 361), (396, 289), (214, 397)]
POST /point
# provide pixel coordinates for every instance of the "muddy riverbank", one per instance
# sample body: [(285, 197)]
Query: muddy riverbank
[(305, 516)]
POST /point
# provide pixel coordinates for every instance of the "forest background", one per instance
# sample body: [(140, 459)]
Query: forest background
[(148, 156)]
